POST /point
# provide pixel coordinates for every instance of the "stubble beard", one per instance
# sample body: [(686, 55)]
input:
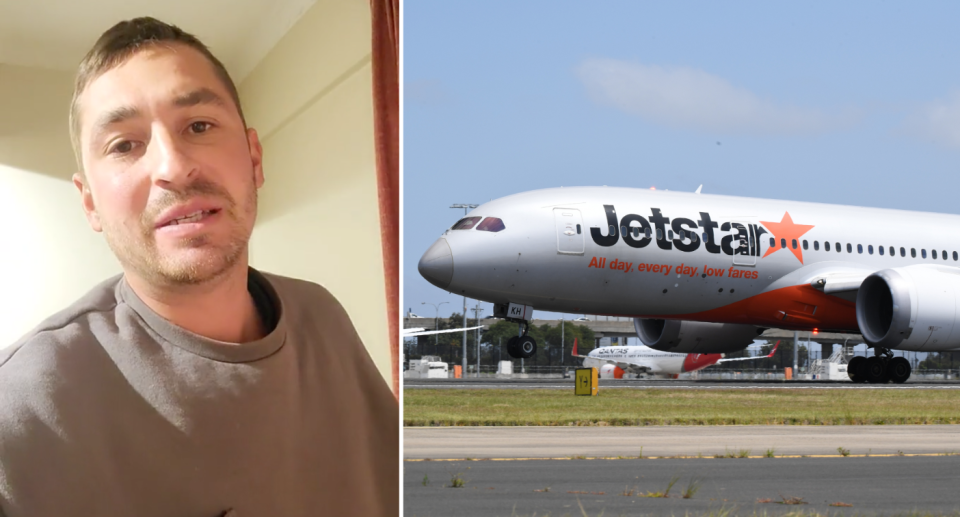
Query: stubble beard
[(197, 260)]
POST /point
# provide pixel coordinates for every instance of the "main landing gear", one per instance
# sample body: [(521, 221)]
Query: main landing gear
[(879, 369), (522, 346)]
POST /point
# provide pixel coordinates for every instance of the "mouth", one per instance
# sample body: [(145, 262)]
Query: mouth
[(194, 217), (187, 215)]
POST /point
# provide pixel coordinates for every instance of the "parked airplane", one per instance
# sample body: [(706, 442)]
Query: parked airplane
[(706, 273), (614, 361)]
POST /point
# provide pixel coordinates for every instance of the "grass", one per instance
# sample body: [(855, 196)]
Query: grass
[(843, 452), (456, 481), (769, 453), (495, 407)]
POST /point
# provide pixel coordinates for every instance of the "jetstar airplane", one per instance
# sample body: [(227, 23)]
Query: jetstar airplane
[(706, 273), (614, 361)]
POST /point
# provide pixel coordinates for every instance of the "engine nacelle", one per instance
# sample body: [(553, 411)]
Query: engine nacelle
[(694, 336), (911, 308), (610, 371)]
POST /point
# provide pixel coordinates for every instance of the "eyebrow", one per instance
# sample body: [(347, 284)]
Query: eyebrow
[(197, 97), (114, 116)]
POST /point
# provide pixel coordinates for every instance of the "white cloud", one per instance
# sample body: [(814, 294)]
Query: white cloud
[(688, 98), (938, 121)]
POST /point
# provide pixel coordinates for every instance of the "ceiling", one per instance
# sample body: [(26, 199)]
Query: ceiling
[(55, 34)]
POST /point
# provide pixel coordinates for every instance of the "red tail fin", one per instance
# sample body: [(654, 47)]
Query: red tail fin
[(774, 349), (574, 351)]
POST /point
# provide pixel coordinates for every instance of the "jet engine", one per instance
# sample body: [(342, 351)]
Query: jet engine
[(694, 337), (911, 308)]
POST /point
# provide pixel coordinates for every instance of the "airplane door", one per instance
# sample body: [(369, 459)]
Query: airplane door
[(746, 254), (569, 231)]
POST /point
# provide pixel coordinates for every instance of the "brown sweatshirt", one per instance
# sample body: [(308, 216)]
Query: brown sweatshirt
[(108, 409)]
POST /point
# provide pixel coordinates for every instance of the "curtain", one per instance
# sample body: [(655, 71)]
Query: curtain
[(385, 17)]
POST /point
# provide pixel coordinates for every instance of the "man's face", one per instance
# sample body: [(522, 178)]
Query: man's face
[(171, 175)]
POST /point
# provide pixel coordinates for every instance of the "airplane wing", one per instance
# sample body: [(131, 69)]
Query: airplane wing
[(420, 332), (749, 358)]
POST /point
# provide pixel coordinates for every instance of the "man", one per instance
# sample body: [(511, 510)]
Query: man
[(192, 384)]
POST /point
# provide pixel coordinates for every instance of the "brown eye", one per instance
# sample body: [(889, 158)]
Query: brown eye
[(123, 147), (199, 127)]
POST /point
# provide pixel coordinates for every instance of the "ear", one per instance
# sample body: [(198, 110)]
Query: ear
[(86, 201), (256, 156)]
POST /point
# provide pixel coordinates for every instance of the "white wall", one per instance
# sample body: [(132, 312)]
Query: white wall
[(310, 99), (48, 254)]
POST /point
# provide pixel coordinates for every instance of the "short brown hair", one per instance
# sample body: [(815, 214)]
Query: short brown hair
[(122, 41)]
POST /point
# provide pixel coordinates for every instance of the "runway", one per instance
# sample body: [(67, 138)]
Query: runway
[(864, 486), (567, 384), (439, 443)]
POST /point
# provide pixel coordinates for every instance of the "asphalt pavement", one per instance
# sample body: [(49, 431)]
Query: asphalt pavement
[(869, 485)]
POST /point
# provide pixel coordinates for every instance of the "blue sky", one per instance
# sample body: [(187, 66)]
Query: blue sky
[(854, 103)]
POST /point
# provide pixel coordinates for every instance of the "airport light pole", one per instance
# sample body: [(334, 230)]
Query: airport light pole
[(796, 351), (436, 323), (476, 315), (465, 207)]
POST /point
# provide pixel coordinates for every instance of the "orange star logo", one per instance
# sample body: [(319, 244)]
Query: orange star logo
[(786, 229)]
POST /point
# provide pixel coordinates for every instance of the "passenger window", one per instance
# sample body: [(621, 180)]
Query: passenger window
[(783, 243), (892, 251), (773, 242), (838, 247), (578, 229), (646, 232), (944, 254), (670, 233), (933, 254), (805, 244), (954, 255), (870, 249), (850, 248), (491, 224), (923, 253), (826, 245), (816, 245), (793, 242), (613, 230), (706, 238), (659, 234), (913, 252), (859, 248), (880, 249), (903, 252), (623, 231)]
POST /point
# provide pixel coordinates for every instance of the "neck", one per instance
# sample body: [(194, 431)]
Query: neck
[(221, 309)]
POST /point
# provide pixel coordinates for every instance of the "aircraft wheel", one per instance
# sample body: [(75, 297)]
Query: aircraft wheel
[(855, 369), (512, 347), (527, 347), (875, 371), (898, 370)]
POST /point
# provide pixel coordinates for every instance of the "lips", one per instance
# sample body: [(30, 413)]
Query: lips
[(188, 213)]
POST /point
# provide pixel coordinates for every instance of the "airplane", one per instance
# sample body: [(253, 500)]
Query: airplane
[(614, 361), (703, 273)]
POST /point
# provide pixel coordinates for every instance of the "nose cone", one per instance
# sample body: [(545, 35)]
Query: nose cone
[(436, 265)]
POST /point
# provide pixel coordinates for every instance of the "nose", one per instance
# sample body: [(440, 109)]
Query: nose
[(436, 265), (172, 164)]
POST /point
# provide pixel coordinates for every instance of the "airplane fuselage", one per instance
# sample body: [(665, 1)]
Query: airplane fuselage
[(683, 256)]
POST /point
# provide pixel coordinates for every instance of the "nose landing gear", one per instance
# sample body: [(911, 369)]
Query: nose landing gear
[(879, 369), (522, 346)]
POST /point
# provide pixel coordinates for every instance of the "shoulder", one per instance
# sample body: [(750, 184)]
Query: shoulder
[(315, 317), (305, 299), (40, 360)]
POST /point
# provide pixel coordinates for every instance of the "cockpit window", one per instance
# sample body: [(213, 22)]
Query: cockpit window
[(466, 223), (491, 224)]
